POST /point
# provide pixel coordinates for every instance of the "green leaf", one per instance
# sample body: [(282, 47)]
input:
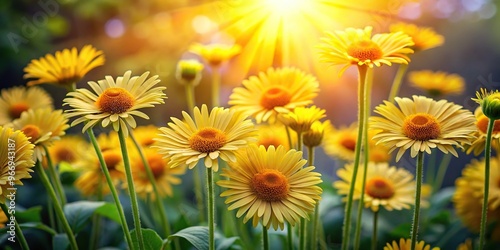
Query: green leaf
[(29, 215), (109, 211), (66, 167), (222, 243), (79, 212), (196, 235), (38, 225), (60, 242), (151, 239)]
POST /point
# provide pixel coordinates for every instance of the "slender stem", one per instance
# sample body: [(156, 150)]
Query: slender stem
[(314, 230), (374, 232), (19, 233), (487, 155), (112, 188), (215, 87), (438, 182), (366, 156), (58, 209), (302, 229), (357, 153), (396, 84), (211, 209), (289, 137), (265, 239), (190, 99), (55, 178), (96, 222), (289, 236), (418, 176), (131, 189)]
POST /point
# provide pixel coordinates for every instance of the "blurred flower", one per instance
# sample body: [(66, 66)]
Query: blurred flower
[(274, 135), (423, 37), (314, 137), (275, 91), (65, 68), (17, 149), (468, 196), (271, 185), (478, 144), (164, 175), (14, 101), (209, 136), (145, 135), (189, 71), (405, 244), (358, 47), (467, 245), (215, 54), (422, 124), (490, 103), (301, 119), (390, 187), (70, 149), (3, 219), (115, 102), (437, 84), (42, 126)]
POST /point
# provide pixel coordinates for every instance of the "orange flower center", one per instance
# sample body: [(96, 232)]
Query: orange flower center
[(31, 131), (115, 101), (156, 163), (270, 185), (65, 154), (112, 158), (348, 143), (269, 141), (17, 109), (482, 125), (207, 140), (365, 50), (421, 127), (379, 188), (275, 97)]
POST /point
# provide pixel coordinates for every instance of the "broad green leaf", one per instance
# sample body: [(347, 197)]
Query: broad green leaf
[(109, 211), (79, 212), (226, 243), (196, 235), (29, 215), (38, 225), (60, 242), (151, 239)]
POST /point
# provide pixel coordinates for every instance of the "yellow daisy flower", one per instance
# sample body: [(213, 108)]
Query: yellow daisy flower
[(3, 219), (358, 47), (467, 245), (274, 91), (164, 175), (405, 244), (145, 135), (42, 126), (271, 186), (189, 71), (301, 119), (437, 84), (14, 101), (423, 37), (70, 149), (422, 124), (314, 137), (388, 187), (209, 136), (215, 54), (16, 157), (115, 102), (65, 68), (274, 135), (477, 145)]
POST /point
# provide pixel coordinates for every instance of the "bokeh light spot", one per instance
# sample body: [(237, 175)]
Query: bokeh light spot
[(114, 28)]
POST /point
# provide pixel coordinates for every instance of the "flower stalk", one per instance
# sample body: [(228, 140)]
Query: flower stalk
[(211, 209), (55, 177), (398, 79), (418, 188), (487, 155)]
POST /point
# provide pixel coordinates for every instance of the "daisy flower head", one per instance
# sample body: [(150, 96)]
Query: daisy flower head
[(42, 126), (278, 90), (358, 47), (215, 54), (388, 187), (14, 101), (437, 84), (189, 71), (478, 144), (423, 37), (16, 157), (145, 135), (207, 136), (65, 67), (70, 149), (271, 186), (115, 102), (421, 124), (301, 119), (274, 135), (405, 244)]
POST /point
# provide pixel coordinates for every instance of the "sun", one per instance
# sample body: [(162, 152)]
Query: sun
[(285, 7)]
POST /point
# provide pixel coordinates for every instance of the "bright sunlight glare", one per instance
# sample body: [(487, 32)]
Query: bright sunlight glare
[(285, 7)]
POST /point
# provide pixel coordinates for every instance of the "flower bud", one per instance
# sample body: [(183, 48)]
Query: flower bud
[(189, 71), (490, 103)]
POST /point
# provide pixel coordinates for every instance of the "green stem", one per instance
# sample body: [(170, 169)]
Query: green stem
[(396, 84), (289, 236), (487, 155), (357, 153), (302, 229), (211, 209), (215, 87), (112, 188), (55, 178), (418, 176), (366, 156), (96, 222), (58, 209), (314, 230), (190, 96), (265, 239), (374, 232), (19, 233), (131, 189), (438, 182)]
